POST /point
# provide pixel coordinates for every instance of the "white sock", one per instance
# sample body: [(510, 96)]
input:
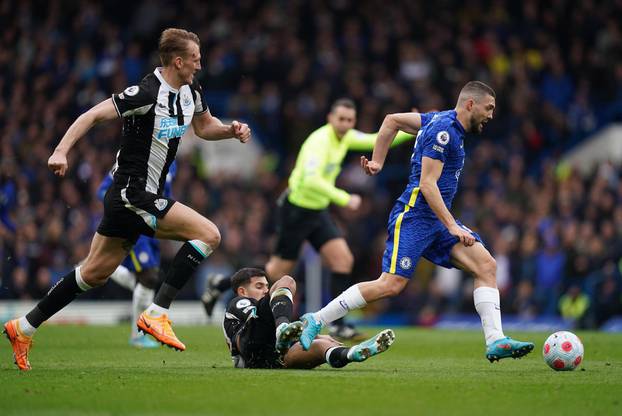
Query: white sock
[(337, 308), (124, 277), (81, 283), (141, 299), (156, 310), (24, 327), (488, 306)]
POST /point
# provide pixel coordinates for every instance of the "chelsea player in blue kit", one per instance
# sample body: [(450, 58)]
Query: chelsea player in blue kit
[(420, 224), (139, 271)]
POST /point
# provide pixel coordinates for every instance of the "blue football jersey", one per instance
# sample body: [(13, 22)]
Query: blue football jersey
[(441, 137)]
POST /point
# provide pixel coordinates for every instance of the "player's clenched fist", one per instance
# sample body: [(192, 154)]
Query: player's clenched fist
[(241, 131), (370, 167), (58, 163)]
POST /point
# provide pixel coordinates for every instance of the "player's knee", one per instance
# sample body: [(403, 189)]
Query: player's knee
[(390, 286), (210, 235), (490, 266), (487, 270), (276, 268), (348, 261), (341, 263), (96, 274), (287, 282), (394, 288), (270, 269)]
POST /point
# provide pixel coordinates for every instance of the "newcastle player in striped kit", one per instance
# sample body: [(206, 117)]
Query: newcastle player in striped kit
[(156, 113)]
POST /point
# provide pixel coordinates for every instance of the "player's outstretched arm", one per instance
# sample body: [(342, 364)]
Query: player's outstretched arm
[(431, 170), (408, 122), (209, 127), (101, 112)]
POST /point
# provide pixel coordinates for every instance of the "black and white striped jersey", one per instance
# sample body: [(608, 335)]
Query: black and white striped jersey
[(155, 116)]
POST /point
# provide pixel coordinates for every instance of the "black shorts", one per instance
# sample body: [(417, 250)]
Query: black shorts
[(257, 340), (130, 211), (294, 225)]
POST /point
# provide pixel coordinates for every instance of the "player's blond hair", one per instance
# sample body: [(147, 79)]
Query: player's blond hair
[(174, 42)]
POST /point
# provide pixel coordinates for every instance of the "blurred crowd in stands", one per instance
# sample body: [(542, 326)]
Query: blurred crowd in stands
[(556, 67)]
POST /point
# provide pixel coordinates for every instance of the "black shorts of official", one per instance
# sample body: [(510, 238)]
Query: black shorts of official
[(257, 340), (130, 211), (295, 224)]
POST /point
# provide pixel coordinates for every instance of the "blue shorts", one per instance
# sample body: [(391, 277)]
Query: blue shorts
[(412, 236), (144, 255)]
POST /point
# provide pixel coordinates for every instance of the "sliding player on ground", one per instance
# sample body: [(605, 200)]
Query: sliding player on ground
[(260, 333)]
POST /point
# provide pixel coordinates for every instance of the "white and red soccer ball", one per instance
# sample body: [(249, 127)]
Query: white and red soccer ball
[(563, 351)]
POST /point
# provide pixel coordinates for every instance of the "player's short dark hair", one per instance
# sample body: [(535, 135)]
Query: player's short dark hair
[(174, 42), (243, 277), (478, 89), (343, 102)]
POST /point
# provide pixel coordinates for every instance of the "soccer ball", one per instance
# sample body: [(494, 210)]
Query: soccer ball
[(563, 351)]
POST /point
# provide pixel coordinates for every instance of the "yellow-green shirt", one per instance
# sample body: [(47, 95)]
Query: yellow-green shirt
[(312, 182)]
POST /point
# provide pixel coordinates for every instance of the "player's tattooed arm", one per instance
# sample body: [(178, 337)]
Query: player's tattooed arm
[(101, 112), (209, 127), (431, 170)]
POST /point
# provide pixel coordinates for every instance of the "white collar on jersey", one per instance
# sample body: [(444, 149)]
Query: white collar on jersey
[(158, 74)]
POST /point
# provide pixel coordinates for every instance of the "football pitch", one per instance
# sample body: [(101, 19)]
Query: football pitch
[(81, 370)]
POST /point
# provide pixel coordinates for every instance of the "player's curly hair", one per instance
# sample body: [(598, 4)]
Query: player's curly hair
[(243, 277), (174, 42)]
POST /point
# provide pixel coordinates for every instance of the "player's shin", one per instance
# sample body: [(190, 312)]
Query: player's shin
[(281, 304), (339, 283), (187, 260), (487, 303), (337, 357), (61, 294), (337, 308)]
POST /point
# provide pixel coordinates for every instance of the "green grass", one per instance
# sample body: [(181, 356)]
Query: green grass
[(92, 370)]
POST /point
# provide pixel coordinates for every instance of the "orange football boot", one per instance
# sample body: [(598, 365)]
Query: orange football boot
[(21, 344), (159, 328)]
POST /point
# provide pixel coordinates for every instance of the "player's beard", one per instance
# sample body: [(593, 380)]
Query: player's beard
[(476, 126)]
